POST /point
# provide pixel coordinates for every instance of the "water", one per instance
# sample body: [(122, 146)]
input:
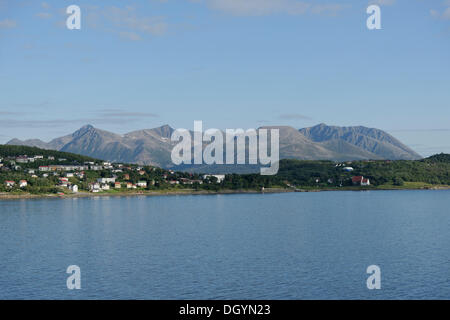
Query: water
[(272, 246)]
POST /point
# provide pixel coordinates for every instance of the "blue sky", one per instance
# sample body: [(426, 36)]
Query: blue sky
[(230, 63)]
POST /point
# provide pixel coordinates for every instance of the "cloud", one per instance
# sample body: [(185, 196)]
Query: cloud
[(44, 15), (445, 14), (383, 2), (7, 24), (293, 116), (126, 22), (105, 116), (269, 7), (117, 113), (130, 36), (8, 113)]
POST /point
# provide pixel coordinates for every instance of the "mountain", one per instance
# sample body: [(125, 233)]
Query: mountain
[(153, 146), (377, 143), (30, 143)]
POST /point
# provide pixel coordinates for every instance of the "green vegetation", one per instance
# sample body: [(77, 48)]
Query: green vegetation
[(434, 170), (19, 163)]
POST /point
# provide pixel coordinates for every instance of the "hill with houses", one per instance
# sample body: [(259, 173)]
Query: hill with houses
[(30, 170)]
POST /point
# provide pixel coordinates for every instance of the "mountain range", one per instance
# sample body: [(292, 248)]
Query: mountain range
[(153, 146)]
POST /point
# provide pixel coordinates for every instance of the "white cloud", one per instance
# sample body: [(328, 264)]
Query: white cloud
[(383, 2), (268, 7), (127, 18), (445, 14), (8, 24), (130, 36), (44, 15)]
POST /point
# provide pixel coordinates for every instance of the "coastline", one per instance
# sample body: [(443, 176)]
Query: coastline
[(6, 196)]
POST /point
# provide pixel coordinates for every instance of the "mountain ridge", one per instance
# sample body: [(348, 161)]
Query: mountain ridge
[(153, 146)]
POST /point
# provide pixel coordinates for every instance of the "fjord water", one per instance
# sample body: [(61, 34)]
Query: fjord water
[(242, 246)]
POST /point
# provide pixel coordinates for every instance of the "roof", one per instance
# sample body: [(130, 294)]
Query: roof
[(357, 179)]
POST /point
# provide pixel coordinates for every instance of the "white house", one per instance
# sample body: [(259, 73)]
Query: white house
[(23, 183), (10, 184), (94, 187), (105, 186), (74, 188), (142, 184), (106, 180)]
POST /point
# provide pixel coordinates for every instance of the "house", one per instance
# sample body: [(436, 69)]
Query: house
[(38, 157), (31, 171), (10, 184), (126, 176), (141, 172), (51, 158), (94, 187), (129, 185), (174, 182), (22, 159), (142, 184), (106, 180), (74, 188), (117, 185), (69, 175), (105, 186), (360, 181), (63, 182), (80, 175), (44, 168), (23, 183)]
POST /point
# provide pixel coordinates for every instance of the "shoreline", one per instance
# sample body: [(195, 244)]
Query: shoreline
[(6, 196)]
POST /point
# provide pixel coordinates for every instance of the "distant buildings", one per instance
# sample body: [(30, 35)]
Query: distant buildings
[(360, 181), (9, 183), (142, 184), (106, 180)]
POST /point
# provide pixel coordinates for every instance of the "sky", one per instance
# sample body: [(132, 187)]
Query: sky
[(230, 63)]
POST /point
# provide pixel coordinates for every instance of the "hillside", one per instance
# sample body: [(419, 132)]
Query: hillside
[(434, 170), (16, 151)]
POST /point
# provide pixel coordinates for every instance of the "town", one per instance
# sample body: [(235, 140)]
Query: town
[(29, 170), (62, 175)]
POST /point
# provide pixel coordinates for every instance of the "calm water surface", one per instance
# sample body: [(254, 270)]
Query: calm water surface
[(273, 246)]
